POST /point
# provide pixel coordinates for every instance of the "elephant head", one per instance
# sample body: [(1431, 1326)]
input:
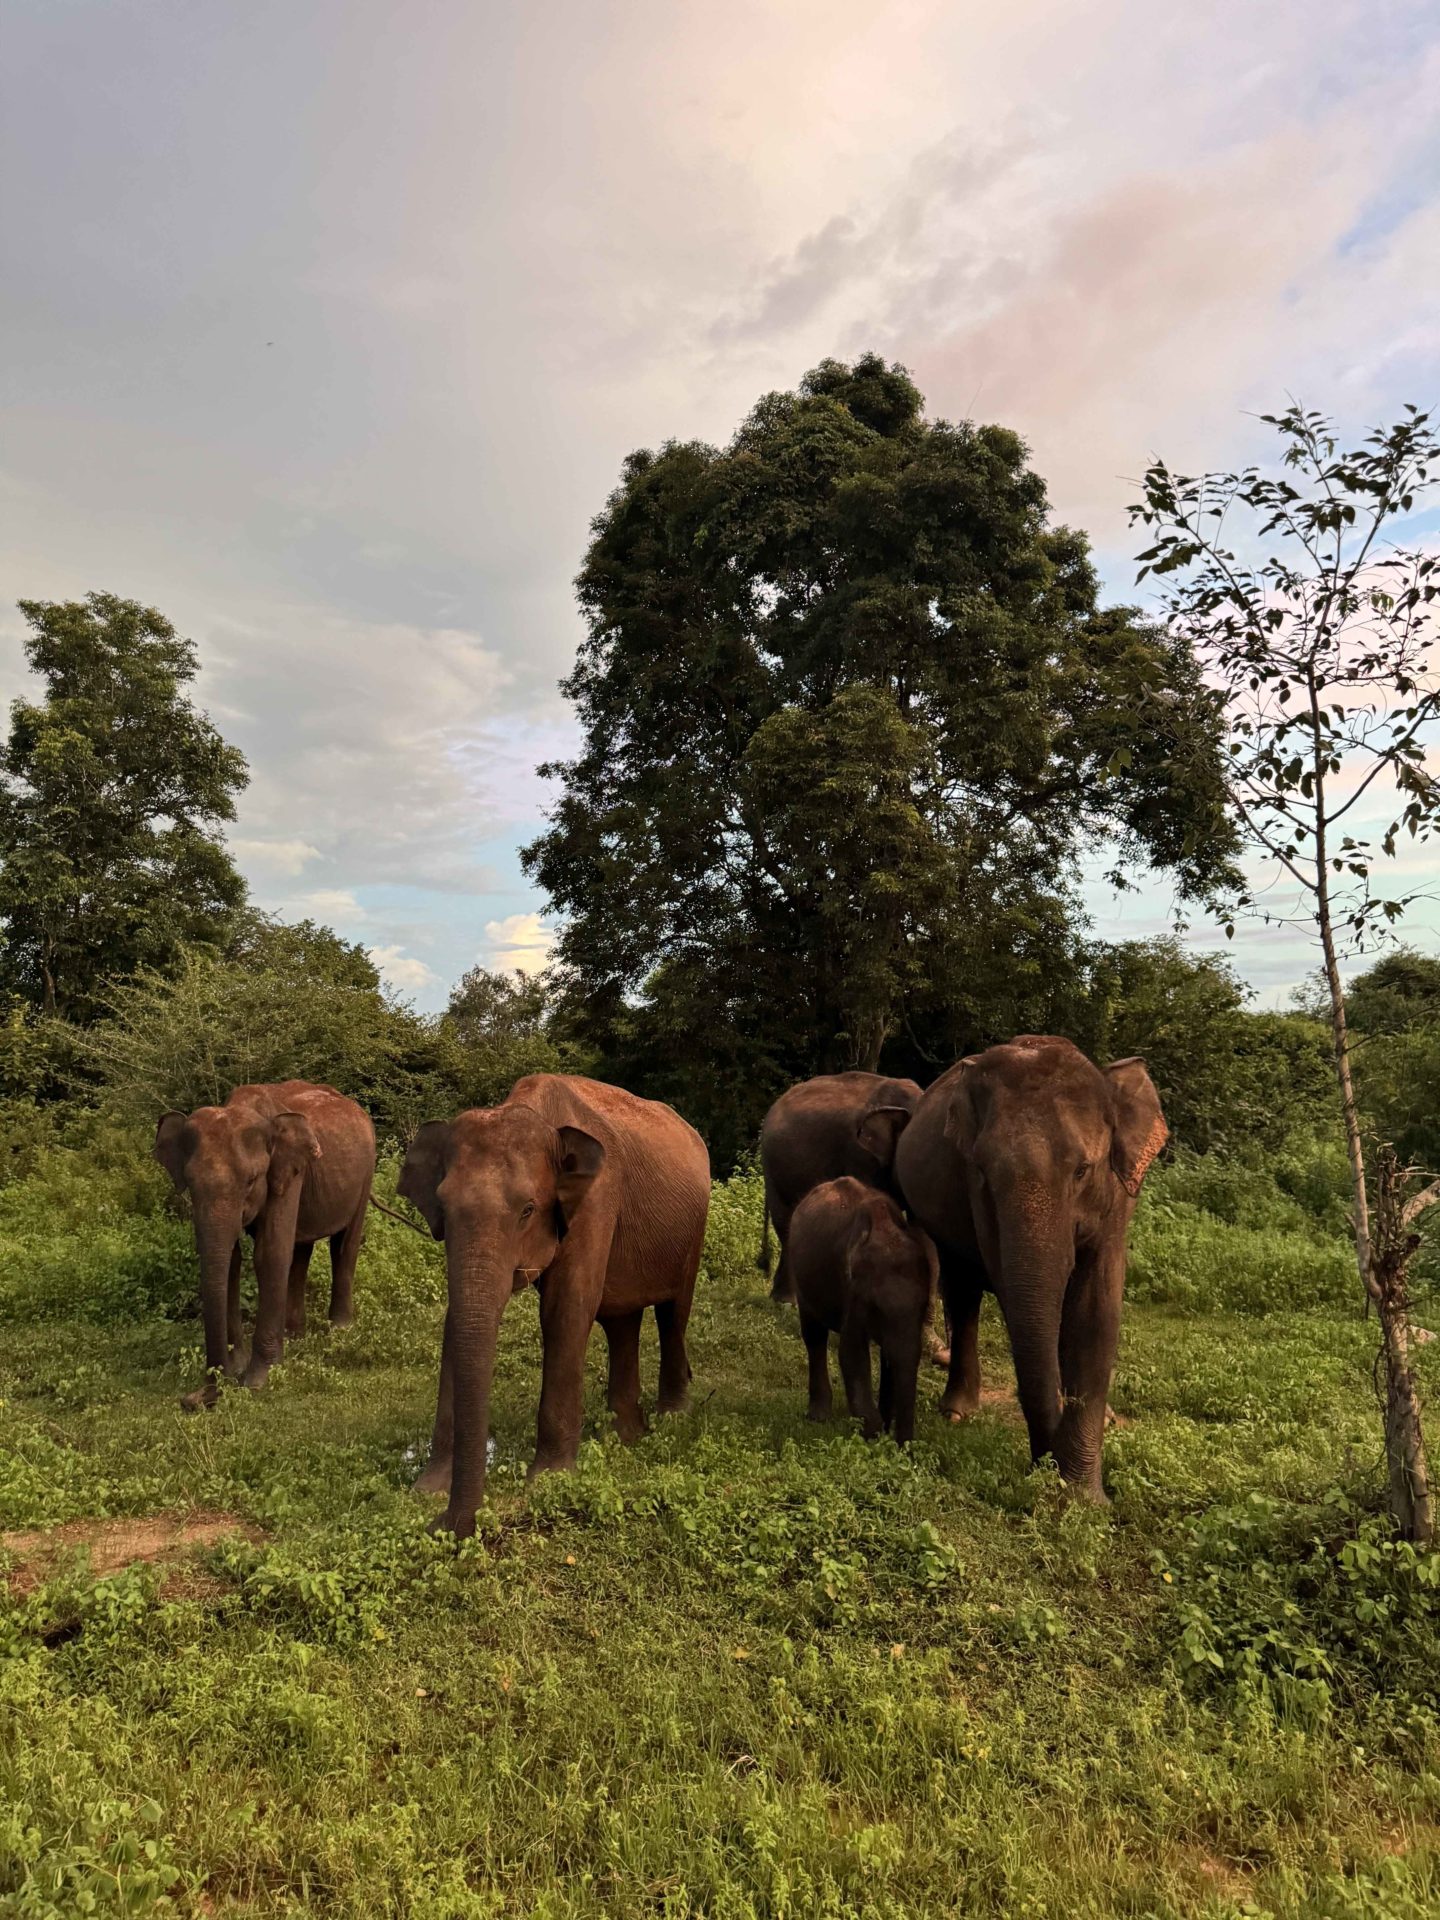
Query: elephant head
[(501, 1187), (238, 1165), (1053, 1152)]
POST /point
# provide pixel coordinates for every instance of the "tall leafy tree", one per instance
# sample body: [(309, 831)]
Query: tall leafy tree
[(112, 786), (844, 688)]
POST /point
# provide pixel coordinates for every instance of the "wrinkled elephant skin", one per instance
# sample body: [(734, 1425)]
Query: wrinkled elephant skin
[(1023, 1164), (863, 1272), (821, 1129), (289, 1163), (596, 1197)]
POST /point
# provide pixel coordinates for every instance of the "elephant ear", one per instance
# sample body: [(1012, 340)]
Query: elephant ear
[(1140, 1129), (880, 1129), (170, 1145), (423, 1171), (580, 1157), (293, 1146), (961, 1121), (860, 1230)]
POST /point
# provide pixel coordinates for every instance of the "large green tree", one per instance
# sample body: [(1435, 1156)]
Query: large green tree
[(848, 697), (112, 786)]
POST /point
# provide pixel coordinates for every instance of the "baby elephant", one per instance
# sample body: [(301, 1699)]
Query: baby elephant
[(860, 1270)]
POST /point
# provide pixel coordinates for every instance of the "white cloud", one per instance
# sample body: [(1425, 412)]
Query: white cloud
[(402, 970), (284, 857), (519, 940), (331, 905)]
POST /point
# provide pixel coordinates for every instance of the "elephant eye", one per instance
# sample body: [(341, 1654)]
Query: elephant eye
[(1083, 1169), (527, 1210)]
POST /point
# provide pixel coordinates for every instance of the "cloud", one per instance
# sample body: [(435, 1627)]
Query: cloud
[(330, 905), (349, 402), (284, 857), (365, 742), (519, 940), (401, 970)]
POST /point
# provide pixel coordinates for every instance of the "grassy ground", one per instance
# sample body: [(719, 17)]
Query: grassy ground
[(750, 1667)]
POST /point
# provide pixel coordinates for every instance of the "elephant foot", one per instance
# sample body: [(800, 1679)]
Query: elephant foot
[(295, 1330), (344, 1318), (461, 1525), (1089, 1492), (256, 1375), (818, 1412), (963, 1404), (436, 1477), (202, 1398), (630, 1427), (550, 1463), (235, 1366), (940, 1357)]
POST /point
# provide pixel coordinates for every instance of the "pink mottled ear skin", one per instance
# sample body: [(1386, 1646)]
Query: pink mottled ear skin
[(1158, 1135)]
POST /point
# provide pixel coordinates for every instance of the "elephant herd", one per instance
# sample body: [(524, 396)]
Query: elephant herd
[(1016, 1172)]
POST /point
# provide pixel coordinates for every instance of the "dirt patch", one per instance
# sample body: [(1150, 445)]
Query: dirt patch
[(113, 1544)]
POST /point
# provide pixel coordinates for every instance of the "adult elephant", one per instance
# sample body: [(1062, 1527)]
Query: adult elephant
[(599, 1198), (289, 1163), (824, 1129), (1023, 1164)]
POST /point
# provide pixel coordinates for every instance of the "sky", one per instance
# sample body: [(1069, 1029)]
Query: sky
[(325, 326)]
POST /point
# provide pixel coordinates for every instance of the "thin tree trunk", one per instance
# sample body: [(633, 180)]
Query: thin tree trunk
[(1339, 1030), (1394, 1242), (1382, 1266)]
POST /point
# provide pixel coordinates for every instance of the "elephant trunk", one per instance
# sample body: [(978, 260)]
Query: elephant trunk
[(479, 1287), (1036, 1264), (216, 1235)]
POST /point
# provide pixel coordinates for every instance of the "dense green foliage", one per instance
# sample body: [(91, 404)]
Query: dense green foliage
[(850, 707), (112, 787), (750, 1667)]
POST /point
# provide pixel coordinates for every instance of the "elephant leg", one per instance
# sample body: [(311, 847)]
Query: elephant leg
[(672, 1317), (962, 1287), (344, 1253), (1089, 1339), (436, 1477), (295, 1291), (234, 1330), (622, 1335), (268, 1344), (816, 1336), (569, 1299), (855, 1371), (887, 1389), (782, 1287), (900, 1363)]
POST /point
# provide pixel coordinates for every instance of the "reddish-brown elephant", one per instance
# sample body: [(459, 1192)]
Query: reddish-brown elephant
[(289, 1163), (864, 1272), (822, 1129), (1023, 1164), (597, 1197)]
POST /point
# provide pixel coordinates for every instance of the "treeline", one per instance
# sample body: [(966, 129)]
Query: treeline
[(851, 712)]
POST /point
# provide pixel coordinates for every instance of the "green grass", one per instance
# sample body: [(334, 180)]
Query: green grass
[(750, 1667)]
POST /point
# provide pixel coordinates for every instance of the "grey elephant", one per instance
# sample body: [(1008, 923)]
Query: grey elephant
[(821, 1129), (289, 1163), (1023, 1163)]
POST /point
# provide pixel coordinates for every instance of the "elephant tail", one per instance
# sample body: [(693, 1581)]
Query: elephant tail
[(762, 1258)]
